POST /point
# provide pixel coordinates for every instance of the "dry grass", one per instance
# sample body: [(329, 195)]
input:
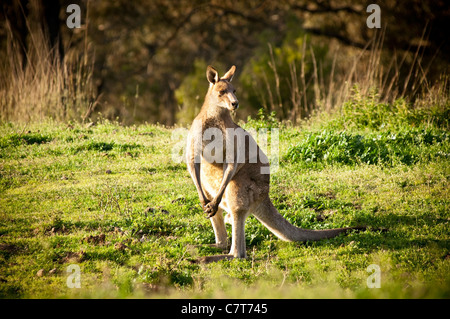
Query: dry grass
[(45, 86), (399, 75)]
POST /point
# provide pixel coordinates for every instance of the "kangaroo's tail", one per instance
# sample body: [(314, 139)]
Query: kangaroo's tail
[(269, 216)]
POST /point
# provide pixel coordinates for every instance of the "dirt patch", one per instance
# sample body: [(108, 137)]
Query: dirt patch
[(324, 215), (211, 259), (9, 248), (95, 239), (73, 257), (328, 195), (120, 246)]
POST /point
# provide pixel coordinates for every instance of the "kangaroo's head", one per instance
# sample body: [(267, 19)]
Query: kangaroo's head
[(222, 92)]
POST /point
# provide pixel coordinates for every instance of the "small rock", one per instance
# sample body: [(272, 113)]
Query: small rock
[(108, 171), (40, 273), (53, 271), (73, 257)]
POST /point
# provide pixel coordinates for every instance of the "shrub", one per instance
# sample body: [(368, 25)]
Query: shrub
[(263, 120), (363, 112), (406, 147)]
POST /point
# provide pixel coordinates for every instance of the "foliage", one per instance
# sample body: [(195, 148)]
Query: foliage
[(191, 92), (282, 77), (263, 120), (127, 61), (366, 130), (382, 148), (369, 112)]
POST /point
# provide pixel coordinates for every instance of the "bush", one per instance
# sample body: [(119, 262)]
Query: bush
[(283, 75), (363, 112), (263, 120), (388, 148)]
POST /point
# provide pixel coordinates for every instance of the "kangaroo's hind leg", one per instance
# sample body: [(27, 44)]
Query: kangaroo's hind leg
[(220, 231), (221, 235), (238, 248)]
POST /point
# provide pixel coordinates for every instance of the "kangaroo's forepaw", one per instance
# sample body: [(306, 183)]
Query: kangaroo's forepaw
[(211, 209)]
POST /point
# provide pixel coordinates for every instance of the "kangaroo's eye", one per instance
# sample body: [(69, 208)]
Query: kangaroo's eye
[(223, 92), (234, 91)]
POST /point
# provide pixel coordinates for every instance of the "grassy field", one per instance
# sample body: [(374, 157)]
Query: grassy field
[(111, 200)]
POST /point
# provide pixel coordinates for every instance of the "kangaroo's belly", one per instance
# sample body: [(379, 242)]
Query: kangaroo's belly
[(211, 177)]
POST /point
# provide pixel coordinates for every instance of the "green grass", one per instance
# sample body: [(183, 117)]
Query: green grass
[(110, 199)]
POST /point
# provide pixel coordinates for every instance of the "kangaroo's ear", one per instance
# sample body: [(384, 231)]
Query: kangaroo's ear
[(212, 75), (229, 75)]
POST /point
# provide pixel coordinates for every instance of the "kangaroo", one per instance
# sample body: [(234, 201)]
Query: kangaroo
[(235, 185)]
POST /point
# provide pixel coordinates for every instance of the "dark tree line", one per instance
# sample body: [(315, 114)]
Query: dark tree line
[(143, 50), (16, 15)]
